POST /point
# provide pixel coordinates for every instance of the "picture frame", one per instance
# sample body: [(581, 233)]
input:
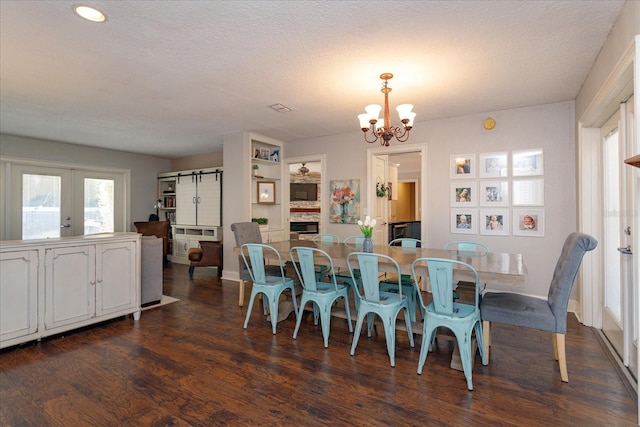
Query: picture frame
[(493, 165), (266, 192), (494, 222), (494, 193), (462, 166), (527, 162), (528, 222), (264, 153), (344, 202), (527, 192), (464, 194), (256, 152), (464, 221)]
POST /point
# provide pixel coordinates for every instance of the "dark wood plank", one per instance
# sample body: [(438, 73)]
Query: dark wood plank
[(192, 363)]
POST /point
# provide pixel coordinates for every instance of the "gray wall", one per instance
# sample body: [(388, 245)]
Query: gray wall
[(144, 169), (550, 127)]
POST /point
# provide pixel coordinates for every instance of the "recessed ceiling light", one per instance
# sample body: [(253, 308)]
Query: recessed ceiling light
[(280, 108), (89, 13)]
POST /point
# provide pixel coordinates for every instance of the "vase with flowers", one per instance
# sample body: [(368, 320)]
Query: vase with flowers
[(366, 228)]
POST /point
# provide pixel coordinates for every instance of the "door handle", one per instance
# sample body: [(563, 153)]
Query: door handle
[(626, 251)]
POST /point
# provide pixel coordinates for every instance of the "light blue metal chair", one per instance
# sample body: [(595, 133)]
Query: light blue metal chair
[(324, 239), (468, 249), (390, 283), (270, 286), (321, 294), (461, 319), (354, 242), (386, 305)]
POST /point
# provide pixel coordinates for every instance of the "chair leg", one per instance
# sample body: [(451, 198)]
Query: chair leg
[(464, 346), (241, 292), (486, 335), (191, 272), (249, 308), (303, 302), (559, 346), (356, 334)]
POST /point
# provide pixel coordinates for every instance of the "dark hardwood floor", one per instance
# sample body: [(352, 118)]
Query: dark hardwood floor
[(192, 363)]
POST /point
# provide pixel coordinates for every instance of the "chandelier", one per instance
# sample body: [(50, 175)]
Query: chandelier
[(303, 170), (383, 130)]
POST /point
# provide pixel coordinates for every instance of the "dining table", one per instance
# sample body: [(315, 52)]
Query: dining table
[(492, 267)]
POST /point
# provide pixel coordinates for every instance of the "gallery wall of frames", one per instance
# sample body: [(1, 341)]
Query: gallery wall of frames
[(498, 194)]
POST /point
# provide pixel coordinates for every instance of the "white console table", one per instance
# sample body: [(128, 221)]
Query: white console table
[(50, 286)]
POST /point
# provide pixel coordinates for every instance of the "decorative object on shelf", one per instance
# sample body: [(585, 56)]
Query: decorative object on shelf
[(263, 223), (264, 153), (384, 131), (381, 189), (304, 171), (366, 228), (255, 170), (345, 201), (266, 192), (275, 155)]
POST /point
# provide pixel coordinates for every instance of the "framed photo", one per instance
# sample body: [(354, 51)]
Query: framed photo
[(266, 192), (493, 165), (528, 222), (494, 193), (494, 222), (256, 152), (264, 153), (464, 194), (463, 166), (527, 162), (464, 221), (528, 192)]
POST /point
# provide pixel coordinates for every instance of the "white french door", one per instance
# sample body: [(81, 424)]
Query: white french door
[(50, 202), (618, 197)]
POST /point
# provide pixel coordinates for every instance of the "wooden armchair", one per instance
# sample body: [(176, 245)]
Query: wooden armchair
[(209, 254), (155, 228)]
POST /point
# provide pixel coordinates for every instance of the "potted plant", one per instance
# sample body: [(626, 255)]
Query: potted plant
[(262, 222), (255, 170)]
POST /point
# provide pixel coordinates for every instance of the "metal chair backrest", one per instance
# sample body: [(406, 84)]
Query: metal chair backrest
[(468, 248), (327, 239), (406, 242), (255, 263), (368, 264), (304, 261)]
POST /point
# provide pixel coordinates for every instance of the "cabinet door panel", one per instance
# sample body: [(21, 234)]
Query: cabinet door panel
[(209, 200), (186, 200), (18, 294), (115, 277), (69, 285)]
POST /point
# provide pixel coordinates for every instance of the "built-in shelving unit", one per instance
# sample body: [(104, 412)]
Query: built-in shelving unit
[(266, 155)]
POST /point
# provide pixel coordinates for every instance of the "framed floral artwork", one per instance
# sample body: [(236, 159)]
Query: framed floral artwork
[(493, 165), (345, 201), (494, 222), (528, 222), (527, 162), (494, 193), (464, 221), (462, 166), (464, 194)]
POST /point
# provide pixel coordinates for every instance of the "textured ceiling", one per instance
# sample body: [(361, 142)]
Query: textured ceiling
[(170, 78)]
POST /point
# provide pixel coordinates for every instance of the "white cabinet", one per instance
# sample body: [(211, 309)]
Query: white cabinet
[(269, 236), (54, 285), (198, 197), (18, 294)]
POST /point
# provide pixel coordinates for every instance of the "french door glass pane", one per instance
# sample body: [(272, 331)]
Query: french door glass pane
[(40, 206), (98, 205), (612, 226)]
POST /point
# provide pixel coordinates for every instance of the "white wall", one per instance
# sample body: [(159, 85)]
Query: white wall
[(144, 169), (550, 127)]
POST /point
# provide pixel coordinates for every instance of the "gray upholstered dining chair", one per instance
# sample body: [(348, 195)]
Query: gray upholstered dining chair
[(248, 232), (546, 315)]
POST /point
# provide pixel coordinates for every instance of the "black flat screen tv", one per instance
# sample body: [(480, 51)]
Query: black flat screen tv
[(299, 192)]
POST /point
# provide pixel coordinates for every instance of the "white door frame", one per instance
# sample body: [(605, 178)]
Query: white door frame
[(371, 179), (324, 184)]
